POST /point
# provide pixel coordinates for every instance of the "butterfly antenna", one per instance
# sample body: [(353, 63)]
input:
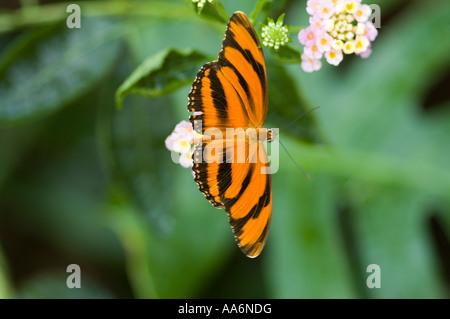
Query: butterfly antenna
[(299, 117), (292, 158)]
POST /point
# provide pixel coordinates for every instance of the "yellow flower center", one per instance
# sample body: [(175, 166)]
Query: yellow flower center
[(184, 143), (350, 6), (359, 45)]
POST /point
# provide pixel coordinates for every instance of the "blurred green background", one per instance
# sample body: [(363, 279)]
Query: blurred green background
[(84, 183)]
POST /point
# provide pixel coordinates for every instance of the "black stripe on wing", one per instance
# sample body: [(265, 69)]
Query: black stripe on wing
[(209, 98), (201, 174), (263, 201)]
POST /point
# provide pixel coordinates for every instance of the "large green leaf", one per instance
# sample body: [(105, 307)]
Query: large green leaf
[(394, 233), (47, 68), (134, 146), (161, 74), (305, 247), (286, 103)]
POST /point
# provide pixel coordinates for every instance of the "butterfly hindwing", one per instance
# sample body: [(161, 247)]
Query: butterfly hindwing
[(238, 186), (248, 200)]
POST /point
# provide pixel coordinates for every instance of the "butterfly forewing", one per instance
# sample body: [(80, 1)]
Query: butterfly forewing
[(242, 54), (217, 100), (231, 93)]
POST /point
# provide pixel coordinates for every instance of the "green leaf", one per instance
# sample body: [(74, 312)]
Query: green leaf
[(286, 103), (214, 11), (286, 54), (304, 249), (261, 6), (281, 18), (161, 74), (132, 144), (50, 67)]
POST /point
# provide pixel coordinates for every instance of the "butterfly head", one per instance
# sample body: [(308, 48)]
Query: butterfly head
[(264, 134), (271, 135)]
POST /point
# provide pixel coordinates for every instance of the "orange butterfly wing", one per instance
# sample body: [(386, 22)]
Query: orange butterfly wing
[(231, 92)]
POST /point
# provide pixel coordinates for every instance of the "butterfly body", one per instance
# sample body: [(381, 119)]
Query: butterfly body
[(229, 100)]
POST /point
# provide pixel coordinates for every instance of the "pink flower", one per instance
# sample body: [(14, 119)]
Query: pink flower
[(181, 141), (361, 44), (310, 65), (351, 6), (308, 35), (313, 51), (182, 145), (366, 53), (326, 10), (184, 130), (316, 22), (362, 13), (334, 57), (186, 160), (371, 31), (169, 141), (312, 6), (324, 42)]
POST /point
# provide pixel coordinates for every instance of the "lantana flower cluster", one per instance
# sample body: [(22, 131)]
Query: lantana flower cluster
[(337, 27), (182, 141)]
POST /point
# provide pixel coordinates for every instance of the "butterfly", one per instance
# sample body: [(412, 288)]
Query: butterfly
[(231, 93)]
